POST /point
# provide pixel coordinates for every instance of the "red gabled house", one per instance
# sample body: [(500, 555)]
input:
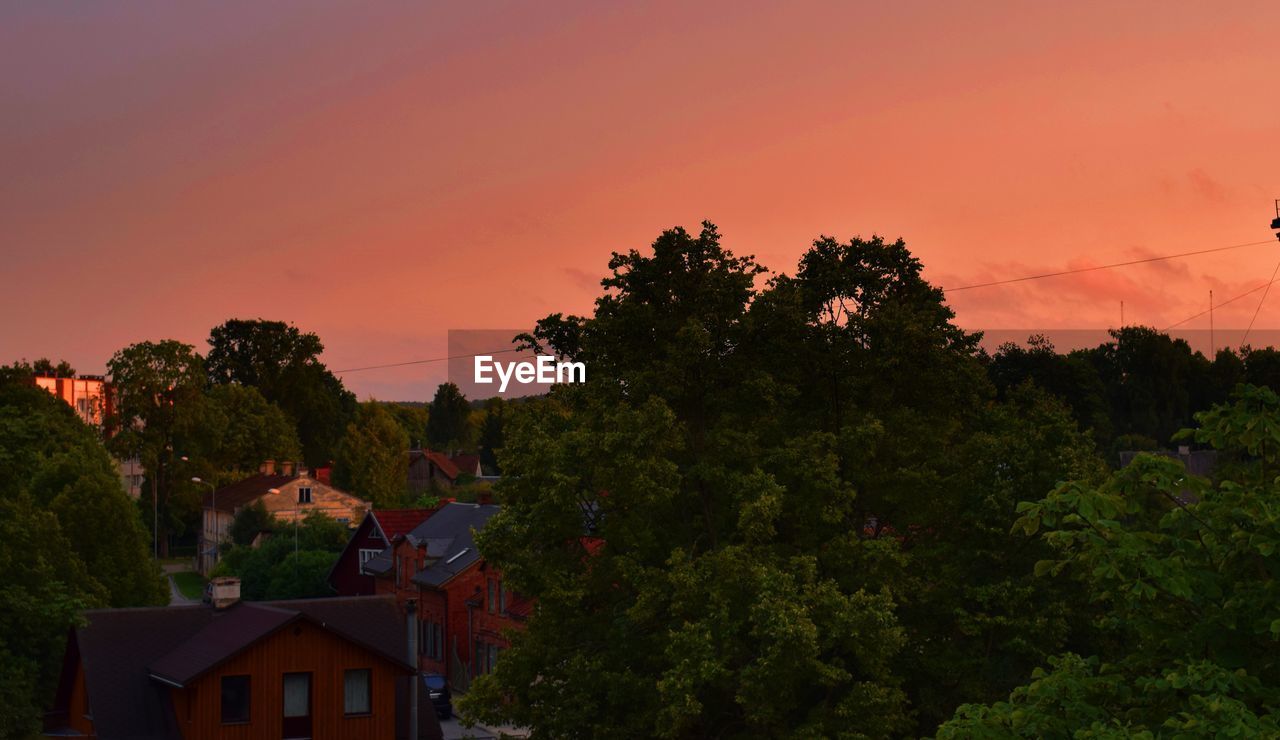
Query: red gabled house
[(374, 535), (465, 608)]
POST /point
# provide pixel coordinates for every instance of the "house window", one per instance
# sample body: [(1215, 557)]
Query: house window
[(357, 687), (235, 699), (493, 657), (502, 597), (431, 642), (491, 601), (365, 556), (304, 494), (297, 695)]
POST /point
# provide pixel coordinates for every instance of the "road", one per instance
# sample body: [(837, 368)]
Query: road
[(175, 596)]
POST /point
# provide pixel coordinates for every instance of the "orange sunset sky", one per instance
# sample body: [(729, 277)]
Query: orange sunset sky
[(380, 173)]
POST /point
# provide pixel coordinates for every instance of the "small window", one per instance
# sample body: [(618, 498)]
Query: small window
[(357, 697), (502, 597), (491, 601), (304, 494), (235, 699), (367, 554)]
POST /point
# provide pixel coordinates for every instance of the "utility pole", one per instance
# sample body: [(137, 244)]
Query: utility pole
[(1213, 347), (1121, 314)]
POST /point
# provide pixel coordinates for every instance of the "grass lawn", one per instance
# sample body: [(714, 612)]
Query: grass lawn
[(190, 584)]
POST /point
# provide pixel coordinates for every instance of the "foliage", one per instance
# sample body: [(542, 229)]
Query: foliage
[(244, 429), (372, 460), (272, 570), (69, 540), (44, 589), (250, 521), (1183, 571), (160, 399), (411, 417), (788, 508), (447, 421), (283, 363), (492, 434), (301, 575), (49, 455)]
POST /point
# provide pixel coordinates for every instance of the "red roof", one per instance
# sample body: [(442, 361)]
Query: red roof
[(400, 521), (466, 463), (445, 464)]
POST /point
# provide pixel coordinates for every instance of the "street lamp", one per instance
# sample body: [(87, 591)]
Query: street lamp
[(214, 510)]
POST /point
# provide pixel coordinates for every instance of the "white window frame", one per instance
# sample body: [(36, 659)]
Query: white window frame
[(366, 554)]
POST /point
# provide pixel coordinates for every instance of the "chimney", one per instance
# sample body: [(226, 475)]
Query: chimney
[(323, 473), (286, 467), (225, 592), (268, 467)]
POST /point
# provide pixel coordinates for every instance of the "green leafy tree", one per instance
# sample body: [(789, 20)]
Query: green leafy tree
[(301, 575), (161, 398), (57, 461), (272, 570), (659, 536), (411, 417), (492, 434), (1182, 571), (245, 429), (45, 588), (283, 363), (372, 459), (69, 540), (447, 420), (251, 521)]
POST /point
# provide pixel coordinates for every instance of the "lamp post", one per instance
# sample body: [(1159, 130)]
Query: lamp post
[(213, 509)]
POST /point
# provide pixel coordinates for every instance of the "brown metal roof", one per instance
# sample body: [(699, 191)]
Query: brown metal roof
[(232, 497), (131, 656)]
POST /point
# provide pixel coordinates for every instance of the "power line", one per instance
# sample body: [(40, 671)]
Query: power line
[(1259, 308), (422, 362), (1216, 306), (1102, 267)]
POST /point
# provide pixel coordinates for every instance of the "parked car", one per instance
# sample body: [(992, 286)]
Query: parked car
[(438, 690)]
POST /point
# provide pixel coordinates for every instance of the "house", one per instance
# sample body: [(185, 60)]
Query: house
[(429, 468), (464, 607), (318, 668), (376, 530), (287, 492)]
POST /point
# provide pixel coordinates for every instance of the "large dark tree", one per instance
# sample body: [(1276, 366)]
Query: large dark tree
[(283, 363), (372, 460), (1184, 572), (447, 418), (69, 539), (788, 509), (161, 399)]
